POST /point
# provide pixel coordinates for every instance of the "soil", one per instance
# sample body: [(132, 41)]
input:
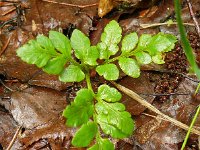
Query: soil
[(35, 100)]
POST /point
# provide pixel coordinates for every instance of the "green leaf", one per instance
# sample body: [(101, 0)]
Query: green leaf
[(102, 144), (46, 43), (83, 51), (80, 110), (129, 42), (110, 38), (129, 67), (95, 147), (108, 94), (103, 52), (144, 41), (158, 59), (108, 71), (60, 42), (112, 33), (42, 53), (72, 74), (33, 53), (114, 120), (80, 43), (91, 55), (172, 39), (85, 134), (158, 43), (55, 65), (143, 58)]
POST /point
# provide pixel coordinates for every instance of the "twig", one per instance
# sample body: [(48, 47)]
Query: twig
[(152, 108), (5, 46), (9, 1), (7, 22), (6, 97), (144, 26), (156, 117), (6, 86), (9, 11), (72, 5), (165, 94), (12, 80), (193, 17), (14, 138)]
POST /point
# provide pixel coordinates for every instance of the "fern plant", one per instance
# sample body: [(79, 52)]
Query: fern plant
[(94, 112)]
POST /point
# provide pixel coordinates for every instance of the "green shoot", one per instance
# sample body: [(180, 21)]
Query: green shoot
[(185, 43), (191, 58), (94, 112), (191, 126), (197, 89)]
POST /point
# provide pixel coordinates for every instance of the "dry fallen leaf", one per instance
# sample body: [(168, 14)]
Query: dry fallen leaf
[(105, 6)]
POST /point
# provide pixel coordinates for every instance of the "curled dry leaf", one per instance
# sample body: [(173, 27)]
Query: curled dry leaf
[(105, 6)]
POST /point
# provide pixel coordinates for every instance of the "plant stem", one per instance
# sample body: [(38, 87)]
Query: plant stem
[(98, 136), (89, 85), (114, 59), (185, 43), (191, 125), (75, 63), (189, 54), (197, 89), (132, 53)]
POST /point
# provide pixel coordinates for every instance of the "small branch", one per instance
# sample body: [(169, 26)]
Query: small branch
[(9, 11), (144, 26), (193, 17), (14, 138), (152, 108), (6, 97), (5, 46), (156, 117), (12, 80), (6, 86), (72, 5), (165, 94)]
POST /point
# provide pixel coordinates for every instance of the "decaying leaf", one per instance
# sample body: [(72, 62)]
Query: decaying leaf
[(105, 6), (54, 135), (36, 106)]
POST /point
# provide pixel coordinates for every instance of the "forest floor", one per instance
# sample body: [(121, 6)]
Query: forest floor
[(32, 101)]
